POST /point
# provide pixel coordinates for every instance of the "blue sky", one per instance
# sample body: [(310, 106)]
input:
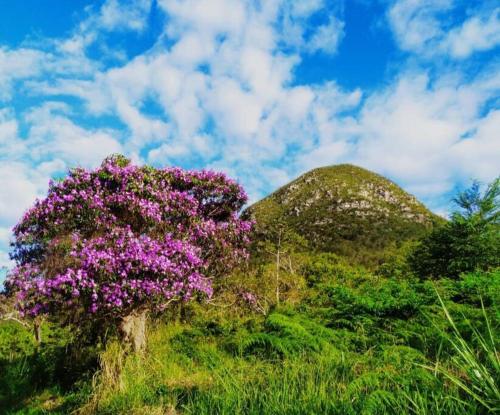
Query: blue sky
[(262, 90)]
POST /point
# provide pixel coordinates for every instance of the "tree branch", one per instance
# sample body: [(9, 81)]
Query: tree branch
[(12, 317)]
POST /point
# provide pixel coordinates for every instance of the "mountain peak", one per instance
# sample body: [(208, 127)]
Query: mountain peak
[(344, 209)]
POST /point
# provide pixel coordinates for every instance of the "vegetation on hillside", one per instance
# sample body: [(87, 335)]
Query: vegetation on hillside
[(354, 343), (469, 241), (295, 331), (343, 209)]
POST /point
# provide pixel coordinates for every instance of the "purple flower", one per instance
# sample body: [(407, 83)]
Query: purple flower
[(122, 236)]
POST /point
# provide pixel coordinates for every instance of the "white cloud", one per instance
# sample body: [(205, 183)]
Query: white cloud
[(246, 77), (10, 144), (413, 132), (192, 49), (4, 262), (327, 37), (49, 60), (53, 135), (210, 17), (18, 189), (297, 102), (303, 9), (298, 31), (189, 147), (237, 113), (476, 34), (477, 155), (5, 236), (113, 15), (424, 26), (416, 22), (389, 145), (116, 15), (16, 65), (220, 81)]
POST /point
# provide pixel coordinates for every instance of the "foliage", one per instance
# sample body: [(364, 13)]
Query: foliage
[(342, 209), (481, 367), (344, 338), (285, 336), (395, 261), (110, 240), (326, 267), (56, 367), (354, 343), (470, 241)]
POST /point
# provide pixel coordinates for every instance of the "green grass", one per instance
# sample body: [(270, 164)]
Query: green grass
[(475, 366), (354, 343)]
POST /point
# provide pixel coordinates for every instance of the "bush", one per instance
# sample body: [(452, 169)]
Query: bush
[(285, 336), (469, 242), (328, 267)]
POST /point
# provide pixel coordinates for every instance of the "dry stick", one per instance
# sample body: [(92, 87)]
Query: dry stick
[(290, 264), (37, 326), (278, 270), (222, 305), (37, 331), (278, 254)]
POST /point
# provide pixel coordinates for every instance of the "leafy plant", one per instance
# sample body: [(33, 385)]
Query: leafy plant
[(475, 371), (469, 242)]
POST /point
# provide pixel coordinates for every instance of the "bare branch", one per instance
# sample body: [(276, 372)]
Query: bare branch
[(12, 317)]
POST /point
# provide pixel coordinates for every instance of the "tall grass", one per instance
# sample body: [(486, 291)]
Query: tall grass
[(186, 372), (365, 348), (475, 366)]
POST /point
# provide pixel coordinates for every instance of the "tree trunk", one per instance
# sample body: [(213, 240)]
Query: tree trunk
[(37, 332), (133, 329)]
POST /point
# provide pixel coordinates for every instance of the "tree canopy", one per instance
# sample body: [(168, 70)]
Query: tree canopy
[(469, 241), (107, 241)]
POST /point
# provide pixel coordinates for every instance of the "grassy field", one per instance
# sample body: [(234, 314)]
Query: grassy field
[(347, 342)]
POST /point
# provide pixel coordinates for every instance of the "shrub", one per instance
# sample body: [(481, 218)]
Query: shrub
[(469, 242)]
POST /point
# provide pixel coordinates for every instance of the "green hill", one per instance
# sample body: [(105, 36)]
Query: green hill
[(343, 209)]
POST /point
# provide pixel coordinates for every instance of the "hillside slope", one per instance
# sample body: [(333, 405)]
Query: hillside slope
[(343, 209)]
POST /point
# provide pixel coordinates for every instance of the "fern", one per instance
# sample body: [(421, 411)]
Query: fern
[(286, 336)]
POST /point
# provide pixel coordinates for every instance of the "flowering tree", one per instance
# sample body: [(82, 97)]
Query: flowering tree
[(115, 242)]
